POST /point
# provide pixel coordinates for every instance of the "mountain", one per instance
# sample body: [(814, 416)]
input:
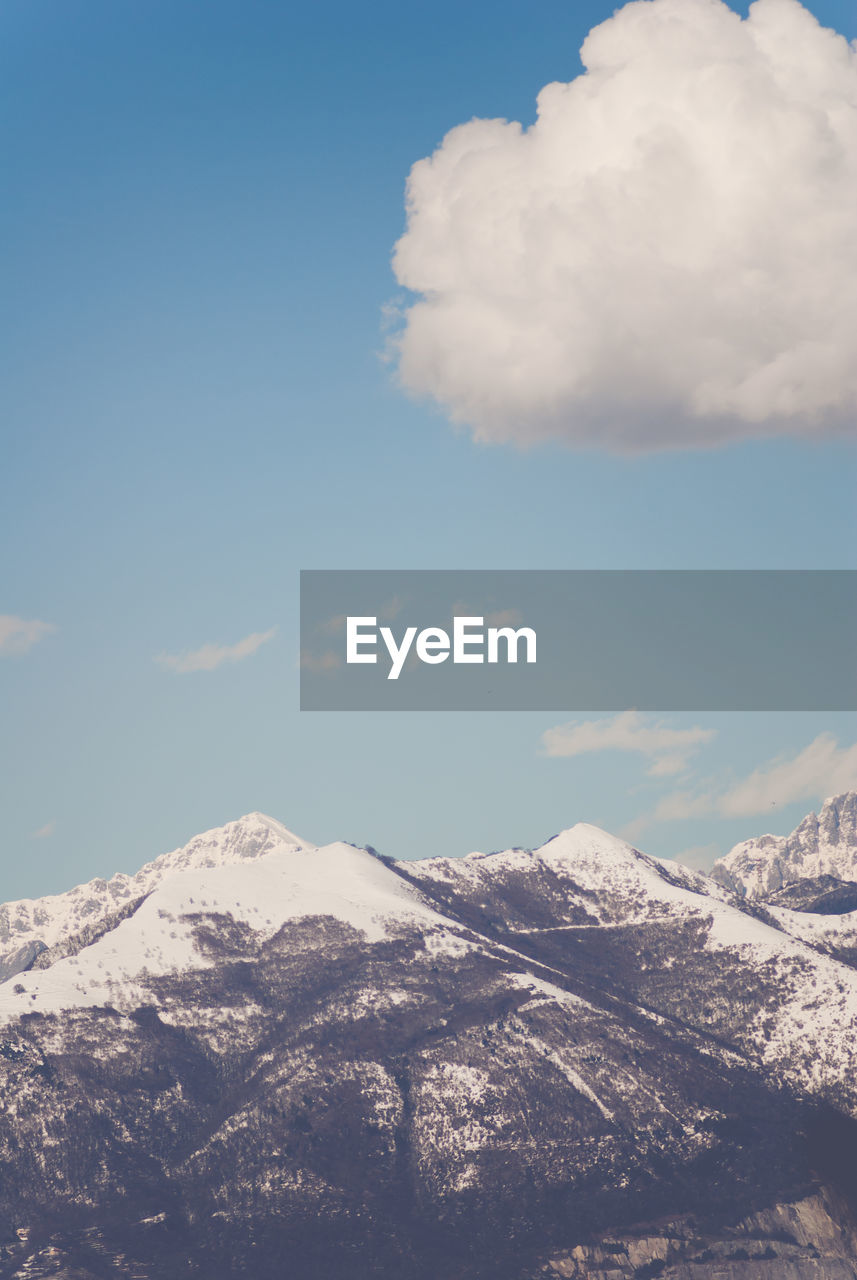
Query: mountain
[(46, 922), (807, 882), (823, 848), (259, 1057)]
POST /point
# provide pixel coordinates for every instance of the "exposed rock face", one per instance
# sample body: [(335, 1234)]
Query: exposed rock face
[(282, 1060), (823, 895), (810, 1239), (21, 959), (824, 844), (75, 942)]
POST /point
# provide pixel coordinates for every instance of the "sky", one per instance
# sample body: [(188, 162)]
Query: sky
[(219, 369)]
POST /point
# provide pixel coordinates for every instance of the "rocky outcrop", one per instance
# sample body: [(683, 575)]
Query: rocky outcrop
[(822, 896), (809, 1239), (823, 844), (21, 959), (76, 942)]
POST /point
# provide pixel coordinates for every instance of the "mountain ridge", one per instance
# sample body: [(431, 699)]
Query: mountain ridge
[(571, 1061), (54, 916), (823, 844)]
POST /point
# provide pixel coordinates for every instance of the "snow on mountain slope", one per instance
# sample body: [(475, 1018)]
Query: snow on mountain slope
[(752, 984), (797, 1011), (51, 919), (315, 1040), (581, 876), (374, 1109), (812, 1041), (823, 844), (834, 935), (584, 876), (262, 890)]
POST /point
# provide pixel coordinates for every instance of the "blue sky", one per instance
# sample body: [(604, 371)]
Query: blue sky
[(203, 202)]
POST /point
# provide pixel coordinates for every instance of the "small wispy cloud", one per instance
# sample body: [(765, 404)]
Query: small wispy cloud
[(822, 769), (44, 832), (211, 656), (333, 626), (386, 612), (319, 663), (491, 618), (504, 618), (667, 749), (18, 635)]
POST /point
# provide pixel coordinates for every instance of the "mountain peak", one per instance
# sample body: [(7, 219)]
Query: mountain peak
[(47, 920), (823, 844), (586, 843), (255, 822), (256, 817), (586, 833)]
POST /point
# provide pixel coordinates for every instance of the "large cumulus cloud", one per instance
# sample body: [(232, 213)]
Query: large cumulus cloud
[(666, 258)]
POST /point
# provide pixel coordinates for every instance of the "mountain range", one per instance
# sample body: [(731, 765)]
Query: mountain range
[(258, 1057)]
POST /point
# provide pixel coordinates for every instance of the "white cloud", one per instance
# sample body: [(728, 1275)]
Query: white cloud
[(18, 635), (665, 258), (822, 769), (668, 749), (493, 618), (212, 656), (320, 663), (385, 612), (504, 618)]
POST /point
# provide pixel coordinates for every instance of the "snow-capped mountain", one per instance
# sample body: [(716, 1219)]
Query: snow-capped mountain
[(824, 845), (47, 921), (807, 882), (575, 1061)]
